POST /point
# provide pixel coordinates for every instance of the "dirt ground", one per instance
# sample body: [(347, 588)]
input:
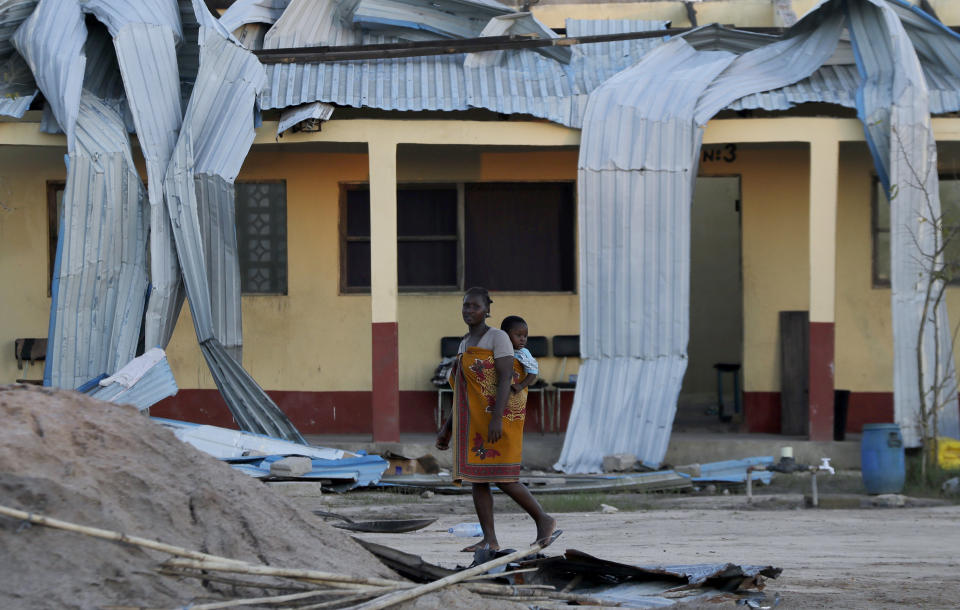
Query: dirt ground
[(831, 558)]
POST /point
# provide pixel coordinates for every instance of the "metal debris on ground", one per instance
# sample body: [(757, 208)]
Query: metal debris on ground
[(381, 526), (735, 471), (257, 455), (555, 484), (577, 576)]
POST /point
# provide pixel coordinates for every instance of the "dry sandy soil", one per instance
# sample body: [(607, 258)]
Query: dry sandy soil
[(93, 463), (858, 559)]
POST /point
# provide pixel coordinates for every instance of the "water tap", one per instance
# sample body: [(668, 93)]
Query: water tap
[(825, 465)]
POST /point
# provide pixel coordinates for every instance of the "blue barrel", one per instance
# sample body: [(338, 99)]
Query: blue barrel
[(881, 459)]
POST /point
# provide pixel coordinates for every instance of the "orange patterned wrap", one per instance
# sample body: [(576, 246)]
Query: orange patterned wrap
[(474, 383)]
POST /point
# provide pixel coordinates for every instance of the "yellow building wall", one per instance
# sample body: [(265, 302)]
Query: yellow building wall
[(316, 339), (774, 240), (744, 13), (24, 265), (311, 338)]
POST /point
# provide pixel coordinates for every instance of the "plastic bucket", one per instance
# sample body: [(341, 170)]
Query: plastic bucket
[(881, 459)]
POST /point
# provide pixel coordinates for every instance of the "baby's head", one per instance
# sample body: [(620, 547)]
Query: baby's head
[(516, 329)]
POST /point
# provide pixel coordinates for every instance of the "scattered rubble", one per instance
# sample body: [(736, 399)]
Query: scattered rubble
[(619, 462)]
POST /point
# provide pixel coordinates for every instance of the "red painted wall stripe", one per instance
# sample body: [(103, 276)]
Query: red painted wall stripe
[(386, 382), (821, 381)]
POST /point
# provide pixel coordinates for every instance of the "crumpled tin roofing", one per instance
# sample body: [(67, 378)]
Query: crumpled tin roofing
[(216, 135), (525, 82), (639, 151), (51, 41), (96, 308), (314, 111), (893, 103), (242, 12), (145, 47), (141, 383)]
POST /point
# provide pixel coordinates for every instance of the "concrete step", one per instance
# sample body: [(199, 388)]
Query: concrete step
[(541, 452)]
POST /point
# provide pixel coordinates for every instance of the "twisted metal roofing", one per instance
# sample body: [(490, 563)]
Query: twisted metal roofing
[(892, 102), (639, 152)]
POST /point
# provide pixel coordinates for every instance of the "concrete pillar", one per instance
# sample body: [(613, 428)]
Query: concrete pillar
[(383, 290), (824, 169)]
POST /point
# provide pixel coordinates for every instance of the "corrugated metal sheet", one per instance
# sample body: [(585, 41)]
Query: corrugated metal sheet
[(12, 14), (360, 471), (216, 134), (51, 41), (227, 443), (305, 24), (418, 20), (215, 208), (145, 43), (100, 278), (525, 82), (893, 105), (735, 471), (242, 12), (141, 383), (292, 116), (639, 153)]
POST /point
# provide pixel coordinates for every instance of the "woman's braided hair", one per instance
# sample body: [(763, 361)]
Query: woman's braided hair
[(480, 292)]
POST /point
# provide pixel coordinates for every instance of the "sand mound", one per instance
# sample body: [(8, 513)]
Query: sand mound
[(70, 457)]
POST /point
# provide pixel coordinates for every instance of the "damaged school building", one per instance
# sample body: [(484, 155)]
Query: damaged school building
[(677, 193)]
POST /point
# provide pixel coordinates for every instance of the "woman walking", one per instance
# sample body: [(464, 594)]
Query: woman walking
[(486, 422)]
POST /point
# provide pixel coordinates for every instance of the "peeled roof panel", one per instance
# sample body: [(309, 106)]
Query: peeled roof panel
[(96, 307), (305, 24), (146, 54), (242, 12), (297, 114), (215, 206), (438, 17), (51, 41), (639, 152), (893, 102), (141, 383), (115, 14), (216, 135), (12, 14)]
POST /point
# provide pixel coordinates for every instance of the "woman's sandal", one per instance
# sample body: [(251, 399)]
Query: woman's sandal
[(548, 540), (473, 548)]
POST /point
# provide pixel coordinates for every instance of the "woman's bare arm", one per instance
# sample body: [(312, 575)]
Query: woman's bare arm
[(504, 366)]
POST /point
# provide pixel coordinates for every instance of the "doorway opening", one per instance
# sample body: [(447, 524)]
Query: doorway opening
[(716, 310)]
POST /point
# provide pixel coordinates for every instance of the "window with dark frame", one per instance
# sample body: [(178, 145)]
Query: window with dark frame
[(54, 212), (261, 220), (261, 223), (880, 223), (511, 236)]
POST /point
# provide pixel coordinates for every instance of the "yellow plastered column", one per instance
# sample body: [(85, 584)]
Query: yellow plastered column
[(385, 365), (824, 168), (383, 229)]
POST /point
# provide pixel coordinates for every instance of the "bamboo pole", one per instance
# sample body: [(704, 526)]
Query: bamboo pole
[(114, 536), (359, 597), (502, 574), (397, 597), (249, 584), (312, 575), (250, 601)]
